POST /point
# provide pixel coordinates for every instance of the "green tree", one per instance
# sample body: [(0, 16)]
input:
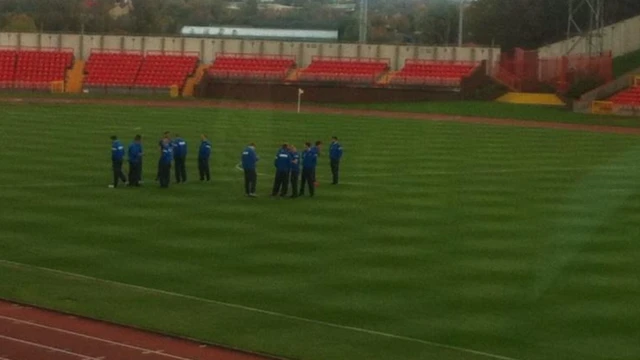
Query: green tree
[(20, 23)]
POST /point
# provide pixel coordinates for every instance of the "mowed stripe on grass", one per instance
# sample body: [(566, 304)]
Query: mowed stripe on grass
[(442, 232)]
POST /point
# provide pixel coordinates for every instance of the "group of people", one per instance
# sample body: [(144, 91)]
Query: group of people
[(288, 163), (171, 151)]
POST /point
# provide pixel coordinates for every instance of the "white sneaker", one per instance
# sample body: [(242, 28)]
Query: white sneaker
[(111, 186)]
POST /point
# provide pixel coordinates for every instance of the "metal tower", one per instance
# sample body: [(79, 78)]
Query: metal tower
[(364, 21), (586, 20)]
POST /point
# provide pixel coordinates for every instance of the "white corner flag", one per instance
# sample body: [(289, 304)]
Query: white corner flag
[(300, 92)]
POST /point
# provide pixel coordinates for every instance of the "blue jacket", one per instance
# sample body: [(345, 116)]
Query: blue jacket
[(282, 161), (205, 150), (249, 158), (117, 151), (335, 151), (295, 167), (167, 154), (310, 158), (179, 148), (135, 153)]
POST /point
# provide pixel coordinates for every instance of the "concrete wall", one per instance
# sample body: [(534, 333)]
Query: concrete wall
[(620, 38), (82, 46)]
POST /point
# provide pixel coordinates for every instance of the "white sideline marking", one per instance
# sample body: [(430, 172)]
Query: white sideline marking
[(110, 342), (50, 348), (262, 311)]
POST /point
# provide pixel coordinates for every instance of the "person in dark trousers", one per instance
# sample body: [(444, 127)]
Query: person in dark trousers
[(180, 156), (316, 149), (117, 155), (295, 170), (249, 159), (165, 163), (165, 135), (335, 154), (309, 162), (282, 164), (203, 158), (135, 161)]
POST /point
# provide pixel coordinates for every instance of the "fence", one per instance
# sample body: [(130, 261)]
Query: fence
[(524, 71)]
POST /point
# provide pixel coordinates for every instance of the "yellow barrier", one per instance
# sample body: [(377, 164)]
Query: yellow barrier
[(56, 87), (601, 107), (174, 91)]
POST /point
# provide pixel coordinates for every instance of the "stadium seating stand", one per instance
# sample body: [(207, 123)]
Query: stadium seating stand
[(630, 96), (33, 69), (164, 71), (112, 69), (7, 68), (343, 70), (433, 73), (265, 68)]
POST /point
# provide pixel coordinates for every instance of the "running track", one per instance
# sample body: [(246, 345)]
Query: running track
[(229, 104), (28, 333)]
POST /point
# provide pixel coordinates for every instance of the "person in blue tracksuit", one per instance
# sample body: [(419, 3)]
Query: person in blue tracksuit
[(135, 161), (282, 163), (117, 155), (165, 163), (295, 171), (180, 156), (249, 159), (335, 154), (165, 135), (203, 158), (309, 162)]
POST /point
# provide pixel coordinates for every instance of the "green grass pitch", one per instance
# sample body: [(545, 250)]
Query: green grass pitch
[(445, 241)]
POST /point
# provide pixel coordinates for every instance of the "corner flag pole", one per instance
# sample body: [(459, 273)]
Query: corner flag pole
[(300, 92)]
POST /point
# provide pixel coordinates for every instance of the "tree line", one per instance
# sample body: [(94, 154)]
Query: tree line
[(507, 23)]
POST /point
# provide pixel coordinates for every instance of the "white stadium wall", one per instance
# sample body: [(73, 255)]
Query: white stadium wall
[(82, 45), (620, 38)]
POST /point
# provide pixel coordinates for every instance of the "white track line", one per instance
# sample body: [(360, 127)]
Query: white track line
[(50, 348), (110, 342), (261, 311)]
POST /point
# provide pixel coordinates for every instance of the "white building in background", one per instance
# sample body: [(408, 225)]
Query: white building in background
[(260, 33)]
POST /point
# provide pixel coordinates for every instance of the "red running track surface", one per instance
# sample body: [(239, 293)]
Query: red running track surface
[(28, 333)]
